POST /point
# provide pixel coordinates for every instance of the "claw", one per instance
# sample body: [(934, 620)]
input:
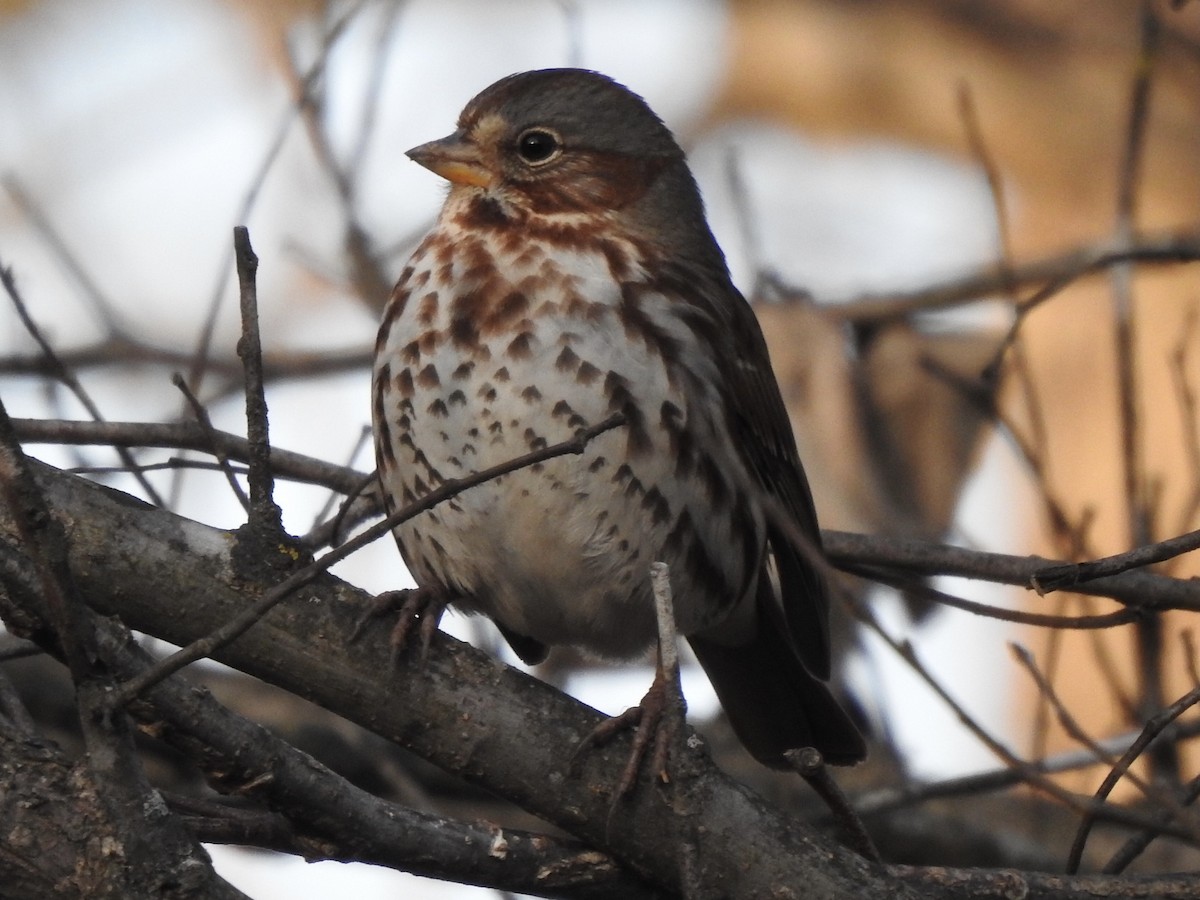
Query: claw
[(659, 718), (656, 721), (421, 606)]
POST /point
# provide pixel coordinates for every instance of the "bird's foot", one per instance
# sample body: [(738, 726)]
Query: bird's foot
[(660, 717), (657, 722), (418, 609)]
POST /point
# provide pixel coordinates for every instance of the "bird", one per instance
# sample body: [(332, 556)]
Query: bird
[(571, 275)]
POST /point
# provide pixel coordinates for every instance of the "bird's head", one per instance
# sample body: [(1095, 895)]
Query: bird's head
[(568, 142)]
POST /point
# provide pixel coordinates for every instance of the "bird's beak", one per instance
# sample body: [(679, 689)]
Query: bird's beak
[(454, 158)]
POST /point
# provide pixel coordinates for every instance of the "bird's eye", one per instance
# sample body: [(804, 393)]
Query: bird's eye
[(537, 146)]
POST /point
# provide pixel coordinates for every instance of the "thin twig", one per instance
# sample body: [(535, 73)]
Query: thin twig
[(1180, 247), (1039, 620), (316, 71), (1188, 413), (264, 511), (184, 436), (1149, 634), (67, 377), (109, 317), (364, 435), (889, 799), (809, 765), (205, 422), (1071, 575), (1073, 729), (1154, 727)]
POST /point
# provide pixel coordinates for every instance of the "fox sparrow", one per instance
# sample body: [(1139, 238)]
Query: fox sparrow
[(572, 275)]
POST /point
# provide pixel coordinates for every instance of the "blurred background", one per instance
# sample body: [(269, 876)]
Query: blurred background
[(852, 154)]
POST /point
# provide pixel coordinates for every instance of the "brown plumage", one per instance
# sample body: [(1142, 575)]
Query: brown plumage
[(571, 274)]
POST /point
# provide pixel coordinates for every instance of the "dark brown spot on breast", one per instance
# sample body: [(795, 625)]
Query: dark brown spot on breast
[(588, 310), (511, 307), (437, 408), (530, 253), (428, 377), (634, 487), (521, 347), (428, 308), (531, 394), (429, 341), (411, 352), (568, 359), (485, 213), (640, 326), (464, 370), (597, 464), (587, 373), (616, 387), (658, 507), (404, 382), (457, 398), (464, 333), (501, 374), (561, 408)]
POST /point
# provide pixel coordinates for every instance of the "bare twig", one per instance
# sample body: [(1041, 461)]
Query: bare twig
[(810, 766), (1188, 413), (1149, 640), (264, 511), (1182, 247), (1154, 727), (1071, 575), (892, 798), (184, 436), (205, 422), (925, 591), (1072, 727), (67, 377), (109, 317), (316, 71)]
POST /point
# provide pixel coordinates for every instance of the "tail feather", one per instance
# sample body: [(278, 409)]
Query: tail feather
[(772, 701)]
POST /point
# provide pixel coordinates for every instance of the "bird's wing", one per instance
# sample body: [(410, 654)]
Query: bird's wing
[(763, 434)]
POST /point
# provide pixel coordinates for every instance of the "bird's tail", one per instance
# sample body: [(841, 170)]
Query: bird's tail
[(772, 701)]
